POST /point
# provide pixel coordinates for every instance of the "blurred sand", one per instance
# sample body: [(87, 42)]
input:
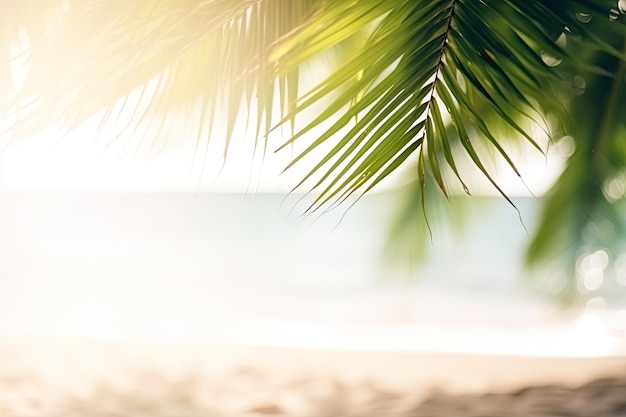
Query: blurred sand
[(71, 377)]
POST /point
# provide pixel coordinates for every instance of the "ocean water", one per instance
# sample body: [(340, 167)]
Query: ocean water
[(249, 269)]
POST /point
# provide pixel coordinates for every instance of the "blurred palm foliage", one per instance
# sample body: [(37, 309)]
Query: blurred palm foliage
[(446, 85)]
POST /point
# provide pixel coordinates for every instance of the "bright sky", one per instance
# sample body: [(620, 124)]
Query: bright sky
[(80, 162)]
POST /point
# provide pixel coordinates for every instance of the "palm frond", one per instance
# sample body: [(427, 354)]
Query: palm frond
[(438, 76), (167, 63), (426, 63), (584, 210)]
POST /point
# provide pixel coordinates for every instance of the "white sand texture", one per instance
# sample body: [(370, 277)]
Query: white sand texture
[(71, 378)]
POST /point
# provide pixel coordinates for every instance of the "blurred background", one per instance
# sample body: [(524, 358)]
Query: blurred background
[(124, 270), (108, 242), (147, 270)]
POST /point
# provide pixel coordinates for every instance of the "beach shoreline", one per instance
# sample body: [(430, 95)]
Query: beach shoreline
[(50, 376)]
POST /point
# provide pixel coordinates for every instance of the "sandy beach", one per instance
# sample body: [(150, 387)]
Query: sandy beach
[(199, 332), (74, 377)]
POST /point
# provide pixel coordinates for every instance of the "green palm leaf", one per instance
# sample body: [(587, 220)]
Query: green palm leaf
[(410, 66), (584, 211)]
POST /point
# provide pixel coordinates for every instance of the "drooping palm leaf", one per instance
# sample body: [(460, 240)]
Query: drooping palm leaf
[(425, 62), (583, 212), (510, 58)]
